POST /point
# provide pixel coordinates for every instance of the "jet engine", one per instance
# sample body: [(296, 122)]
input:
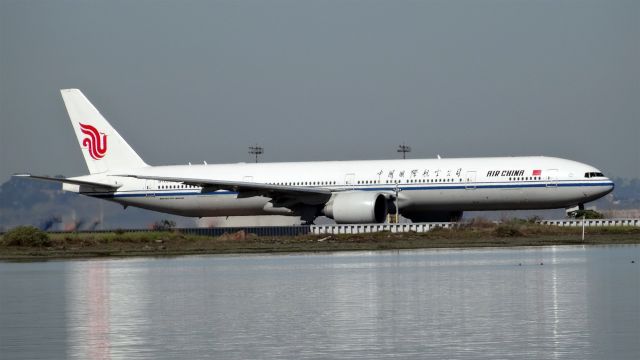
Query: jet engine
[(356, 207)]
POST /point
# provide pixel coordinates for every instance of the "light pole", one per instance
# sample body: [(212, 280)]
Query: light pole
[(404, 149), (256, 150)]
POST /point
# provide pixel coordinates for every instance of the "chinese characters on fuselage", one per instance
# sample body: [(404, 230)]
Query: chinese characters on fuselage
[(414, 173)]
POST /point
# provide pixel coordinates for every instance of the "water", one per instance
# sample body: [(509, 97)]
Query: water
[(582, 303)]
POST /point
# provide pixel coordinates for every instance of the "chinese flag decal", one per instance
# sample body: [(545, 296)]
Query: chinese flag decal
[(537, 172)]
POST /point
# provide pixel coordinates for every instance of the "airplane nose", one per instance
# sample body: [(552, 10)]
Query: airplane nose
[(611, 184), (609, 187)]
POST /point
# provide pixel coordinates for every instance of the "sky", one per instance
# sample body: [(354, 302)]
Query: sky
[(193, 81)]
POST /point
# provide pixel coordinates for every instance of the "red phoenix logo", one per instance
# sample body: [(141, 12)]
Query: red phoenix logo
[(97, 146)]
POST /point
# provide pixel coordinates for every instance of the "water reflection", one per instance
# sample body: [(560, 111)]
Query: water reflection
[(98, 312), (89, 308), (556, 302), (107, 302)]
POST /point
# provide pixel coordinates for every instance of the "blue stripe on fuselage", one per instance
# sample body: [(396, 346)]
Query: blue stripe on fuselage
[(373, 187)]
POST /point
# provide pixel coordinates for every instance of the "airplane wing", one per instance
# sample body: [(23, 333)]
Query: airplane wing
[(279, 193), (108, 187)]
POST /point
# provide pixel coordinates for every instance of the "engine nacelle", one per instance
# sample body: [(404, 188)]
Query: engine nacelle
[(359, 207)]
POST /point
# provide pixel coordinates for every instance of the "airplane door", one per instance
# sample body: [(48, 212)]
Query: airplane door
[(551, 177), (349, 179), (470, 180), (150, 188)]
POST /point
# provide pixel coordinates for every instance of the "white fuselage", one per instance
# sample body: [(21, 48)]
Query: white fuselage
[(500, 183)]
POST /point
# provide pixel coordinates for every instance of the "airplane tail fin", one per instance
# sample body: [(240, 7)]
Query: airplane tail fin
[(102, 147)]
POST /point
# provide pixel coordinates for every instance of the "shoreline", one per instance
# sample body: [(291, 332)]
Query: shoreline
[(154, 244)]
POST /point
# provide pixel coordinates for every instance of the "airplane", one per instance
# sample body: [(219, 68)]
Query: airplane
[(425, 190)]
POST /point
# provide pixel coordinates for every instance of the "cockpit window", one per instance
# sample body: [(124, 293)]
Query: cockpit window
[(593, 174)]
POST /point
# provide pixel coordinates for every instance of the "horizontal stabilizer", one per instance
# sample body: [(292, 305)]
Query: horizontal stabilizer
[(70, 181)]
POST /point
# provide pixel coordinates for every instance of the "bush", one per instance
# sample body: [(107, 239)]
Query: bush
[(508, 230), (587, 214), (479, 223), (534, 219), (163, 225), (26, 236)]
